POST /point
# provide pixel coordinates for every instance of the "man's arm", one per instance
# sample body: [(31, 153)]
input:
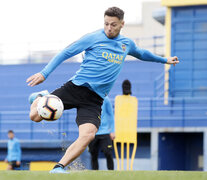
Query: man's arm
[(146, 55), (70, 51)]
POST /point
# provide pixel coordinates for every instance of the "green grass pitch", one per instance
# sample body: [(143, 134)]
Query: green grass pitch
[(104, 175)]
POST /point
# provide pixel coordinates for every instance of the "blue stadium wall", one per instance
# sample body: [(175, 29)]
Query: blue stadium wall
[(187, 38), (14, 93), (189, 43), (186, 27)]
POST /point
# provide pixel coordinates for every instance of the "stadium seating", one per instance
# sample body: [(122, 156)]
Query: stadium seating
[(14, 92)]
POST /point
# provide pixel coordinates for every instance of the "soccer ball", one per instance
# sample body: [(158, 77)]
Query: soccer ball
[(50, 107)]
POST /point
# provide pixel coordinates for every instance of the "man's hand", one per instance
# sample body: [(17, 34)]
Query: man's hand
[(35, 79), (18, 163), (112, 136), (173, 60)]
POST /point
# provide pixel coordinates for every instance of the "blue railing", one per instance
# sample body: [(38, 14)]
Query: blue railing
[(155, 44), (180, 112), (26, 129), (159, 85)]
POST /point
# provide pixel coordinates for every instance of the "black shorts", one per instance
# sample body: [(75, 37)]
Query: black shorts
[(13, 164), (87, 102)]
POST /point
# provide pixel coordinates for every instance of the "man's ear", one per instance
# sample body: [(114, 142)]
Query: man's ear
[(122, 23)]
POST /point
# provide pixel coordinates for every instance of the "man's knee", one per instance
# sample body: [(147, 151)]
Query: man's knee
[(87, 136), (87, 132), (34, 116)]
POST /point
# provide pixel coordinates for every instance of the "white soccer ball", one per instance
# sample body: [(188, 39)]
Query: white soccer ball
[(50, 107)]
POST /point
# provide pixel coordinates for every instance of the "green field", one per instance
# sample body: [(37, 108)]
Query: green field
[(104, 175)]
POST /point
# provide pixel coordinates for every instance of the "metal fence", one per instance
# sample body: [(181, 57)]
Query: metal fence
[(25, 129), (155, 44), (180, 112)]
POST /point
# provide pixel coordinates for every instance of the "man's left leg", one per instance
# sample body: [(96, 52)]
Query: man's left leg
[(86, 135)]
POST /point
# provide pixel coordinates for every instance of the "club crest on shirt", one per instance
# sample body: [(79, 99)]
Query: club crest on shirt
[(123, 47)]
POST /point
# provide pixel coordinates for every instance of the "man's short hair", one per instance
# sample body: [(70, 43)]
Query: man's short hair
[(10, 131), (115, 12)]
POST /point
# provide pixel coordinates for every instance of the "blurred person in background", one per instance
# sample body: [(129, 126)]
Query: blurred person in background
[(126, 87), (13, 152), (104, 137)]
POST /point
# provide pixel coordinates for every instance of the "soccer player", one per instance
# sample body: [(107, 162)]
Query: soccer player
[(105, 52), (104, 137), (13, 152)]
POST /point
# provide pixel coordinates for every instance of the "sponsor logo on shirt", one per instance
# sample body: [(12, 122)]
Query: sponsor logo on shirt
[(112, 57)]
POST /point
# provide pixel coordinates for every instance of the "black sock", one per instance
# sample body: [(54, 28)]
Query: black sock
[(59, 165)]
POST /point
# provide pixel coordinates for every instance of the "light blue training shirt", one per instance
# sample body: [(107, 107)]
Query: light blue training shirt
[(13, 150), (107, 118), (103, 61)]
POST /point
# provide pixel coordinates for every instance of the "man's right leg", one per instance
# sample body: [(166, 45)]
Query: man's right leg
[(87, 133), (88, 106)]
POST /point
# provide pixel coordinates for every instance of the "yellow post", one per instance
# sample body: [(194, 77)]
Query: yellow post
[(168, 54), (125, 127), (117, 155), (127, 156), (133, 155), (122, 156)]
